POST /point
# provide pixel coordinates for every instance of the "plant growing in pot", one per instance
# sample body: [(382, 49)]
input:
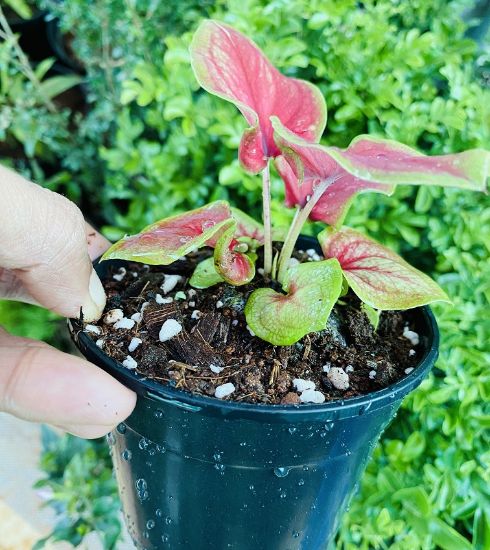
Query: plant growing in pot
[(262, 390)]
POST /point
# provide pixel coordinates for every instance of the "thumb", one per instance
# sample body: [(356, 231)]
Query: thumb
[(50, 256), (42, 384)]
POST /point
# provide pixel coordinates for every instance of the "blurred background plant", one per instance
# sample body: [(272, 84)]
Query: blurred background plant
[(148, 143)]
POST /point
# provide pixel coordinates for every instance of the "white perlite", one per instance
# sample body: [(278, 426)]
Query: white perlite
[(191, 293), (135, 342), (234, 322), (349, 368), (302, 385), (251, 331), (159, 299), (125, 323), (411, 352), (409, 370), (372, 374), (339, 378), (144, 306), (170, 282), (92, 328), (119, 276), (411, 335), (129, 363), (224, 390), (192, 304), (312, 396), (100, 343), (326, 367), (169, 329), (216, 369), (113, 316), (137, 317), (196, 314), (219, 304)]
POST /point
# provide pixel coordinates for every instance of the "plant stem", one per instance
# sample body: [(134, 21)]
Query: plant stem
[(26, 68), (266, 204), (299, 220)]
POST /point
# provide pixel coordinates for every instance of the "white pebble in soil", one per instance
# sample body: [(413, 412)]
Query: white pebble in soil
[(234, 322), (169, 329), (216, 369), (219, 304), (144, 306), (159, 299), (301, 385), (349, 368), (124, 323), (100, 343), (135, 342), (224, 390), (312, 396), (411, 335), (94, 329), (339, 378), (130, 363), (137, 317), (170, 282), (192, 304), (119, 276), (411, 352), (409, 370), (326, 367), (196, 314), (372, 374), (113, 316), (191, 293)]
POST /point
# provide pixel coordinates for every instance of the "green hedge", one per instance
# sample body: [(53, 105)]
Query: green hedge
[(153, 144)]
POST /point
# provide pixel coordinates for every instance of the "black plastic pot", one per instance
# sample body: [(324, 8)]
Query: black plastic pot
[(199, 473)]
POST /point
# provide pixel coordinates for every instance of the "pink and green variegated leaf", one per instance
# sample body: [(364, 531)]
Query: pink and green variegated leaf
[(247, 226), (380, 278), (166, 241), (205, 275), (236, 268), (231, 66), (368, 164), (283, 319)]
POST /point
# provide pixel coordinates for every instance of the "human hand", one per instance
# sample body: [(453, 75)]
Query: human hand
[(45, 258)]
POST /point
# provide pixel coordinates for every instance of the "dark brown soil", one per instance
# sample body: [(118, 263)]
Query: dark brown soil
[(218, 336)]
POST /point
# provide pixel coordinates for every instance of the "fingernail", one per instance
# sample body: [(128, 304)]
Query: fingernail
[(92, 311)]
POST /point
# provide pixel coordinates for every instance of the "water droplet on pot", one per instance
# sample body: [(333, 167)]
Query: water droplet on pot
[(152, 451), (305, 468), (295, 534), (328, 426), (217, 457), (126, 455), (141, 484), (168, 520), (251, 487), (143, 444), (158, 414), (301, 482), (150, 524), (281, 471), (362, 408), (158, 513), (243, 444), (121, 428), (292, 430), (146, 534), (282, 493), (220, 468), (164, 538)]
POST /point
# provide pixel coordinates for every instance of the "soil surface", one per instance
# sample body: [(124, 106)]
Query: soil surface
[(215, 348)]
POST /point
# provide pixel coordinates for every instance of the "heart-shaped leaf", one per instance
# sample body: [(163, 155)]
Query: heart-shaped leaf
[(166, 241), (235, 266), (380, 278), (283, 319), (231, 66), (205, 275), (368, 164)]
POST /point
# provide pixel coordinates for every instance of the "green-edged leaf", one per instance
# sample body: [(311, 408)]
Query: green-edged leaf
[(205, 275), (367, 164), (380, 278), (247, 226), (282, 319), (236, 267), (166, 241)]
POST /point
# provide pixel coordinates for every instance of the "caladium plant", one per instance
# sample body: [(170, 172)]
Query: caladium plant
[(287, 117)]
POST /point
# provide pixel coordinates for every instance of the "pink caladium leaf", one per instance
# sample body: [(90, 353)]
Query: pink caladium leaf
[(247, 227), (230, 260), (282, 319), (368, 164), (231, 66), (380, 278), (166, 241)]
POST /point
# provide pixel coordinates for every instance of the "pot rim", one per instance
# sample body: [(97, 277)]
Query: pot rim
[(337, 409)]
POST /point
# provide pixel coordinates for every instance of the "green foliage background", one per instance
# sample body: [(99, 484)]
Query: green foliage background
[(152, 144)]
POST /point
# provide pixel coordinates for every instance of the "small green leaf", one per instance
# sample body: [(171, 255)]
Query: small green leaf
[(372, 314), (205, 275), (447, 538), (56, 85), (282, 319)]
